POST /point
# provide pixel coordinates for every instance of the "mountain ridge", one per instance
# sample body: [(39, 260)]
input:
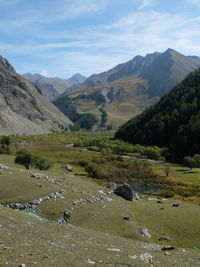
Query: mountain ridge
[(129, 87), (52, 87), (23, 110)]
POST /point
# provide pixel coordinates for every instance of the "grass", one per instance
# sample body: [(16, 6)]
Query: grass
[(180, 224), (179, 173), (92, 220), (19, 187), (26, 239)]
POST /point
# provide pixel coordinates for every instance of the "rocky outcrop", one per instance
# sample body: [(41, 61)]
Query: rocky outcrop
[(126, 192), (22, 108)]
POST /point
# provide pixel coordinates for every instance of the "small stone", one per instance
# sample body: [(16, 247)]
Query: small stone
[(69, 168), (114, 249), (112, 186), (176, 205), (163, 238), (146, 257), (133, 257), (22, 265), (67, 215), (126, 218), (145, 232), (90, 262), (167, 248)]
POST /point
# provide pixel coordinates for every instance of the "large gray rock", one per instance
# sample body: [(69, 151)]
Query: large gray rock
[(126, 192)]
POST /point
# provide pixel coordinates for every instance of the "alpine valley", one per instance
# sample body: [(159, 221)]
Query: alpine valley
[(108, 99)]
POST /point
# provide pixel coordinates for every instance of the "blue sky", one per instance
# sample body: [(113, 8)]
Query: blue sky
[(63, 37)]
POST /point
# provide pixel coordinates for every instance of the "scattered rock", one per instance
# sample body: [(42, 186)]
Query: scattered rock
[(126, 218), (69, 145), (32, 204), (176, 205), (145, 232), (151, 246), (146, 257), (67, 215), (90, 262), (40, 185), (167, 248), (69, 168), (126, 192), (3, 167), (114, 249), (163, 238), (132, 257), (112, 186)]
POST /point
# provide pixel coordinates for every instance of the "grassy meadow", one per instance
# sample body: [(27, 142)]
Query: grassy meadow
[(100, 218)]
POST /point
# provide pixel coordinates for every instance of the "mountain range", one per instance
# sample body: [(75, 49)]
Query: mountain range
[(115, 96), (52, 87), (23, 110)]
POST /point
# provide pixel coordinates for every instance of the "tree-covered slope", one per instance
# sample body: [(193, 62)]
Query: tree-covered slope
[(173, 122)]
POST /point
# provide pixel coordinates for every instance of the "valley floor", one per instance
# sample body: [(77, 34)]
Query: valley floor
[(98, 233)]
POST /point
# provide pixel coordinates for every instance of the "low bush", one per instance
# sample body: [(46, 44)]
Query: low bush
[(5, 145), (28, 160)]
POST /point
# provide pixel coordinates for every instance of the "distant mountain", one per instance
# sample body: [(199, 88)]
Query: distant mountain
[(77, 79), (49, 87), (52, 87), (127, 89), (22, 109), (173, 122)]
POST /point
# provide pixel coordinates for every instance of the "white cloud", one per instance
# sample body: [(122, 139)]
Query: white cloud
[(146, 3), (44, 73), (92, 50)]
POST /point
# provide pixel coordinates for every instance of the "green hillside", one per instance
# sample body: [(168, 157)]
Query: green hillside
[(173, 122)]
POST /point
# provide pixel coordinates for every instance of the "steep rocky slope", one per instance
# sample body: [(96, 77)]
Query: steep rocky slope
[(22, 108), (129, 87)]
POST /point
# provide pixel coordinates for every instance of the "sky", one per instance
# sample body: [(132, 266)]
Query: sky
[(64, 37)]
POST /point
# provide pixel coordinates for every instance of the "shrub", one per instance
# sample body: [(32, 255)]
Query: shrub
[(28, 160), (192, 162), (5, 145)]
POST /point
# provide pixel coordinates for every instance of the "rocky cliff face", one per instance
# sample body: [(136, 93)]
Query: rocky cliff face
[(22, 109)]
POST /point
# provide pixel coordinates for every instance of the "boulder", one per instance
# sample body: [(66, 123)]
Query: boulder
[(69, 168), (126, 192)]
